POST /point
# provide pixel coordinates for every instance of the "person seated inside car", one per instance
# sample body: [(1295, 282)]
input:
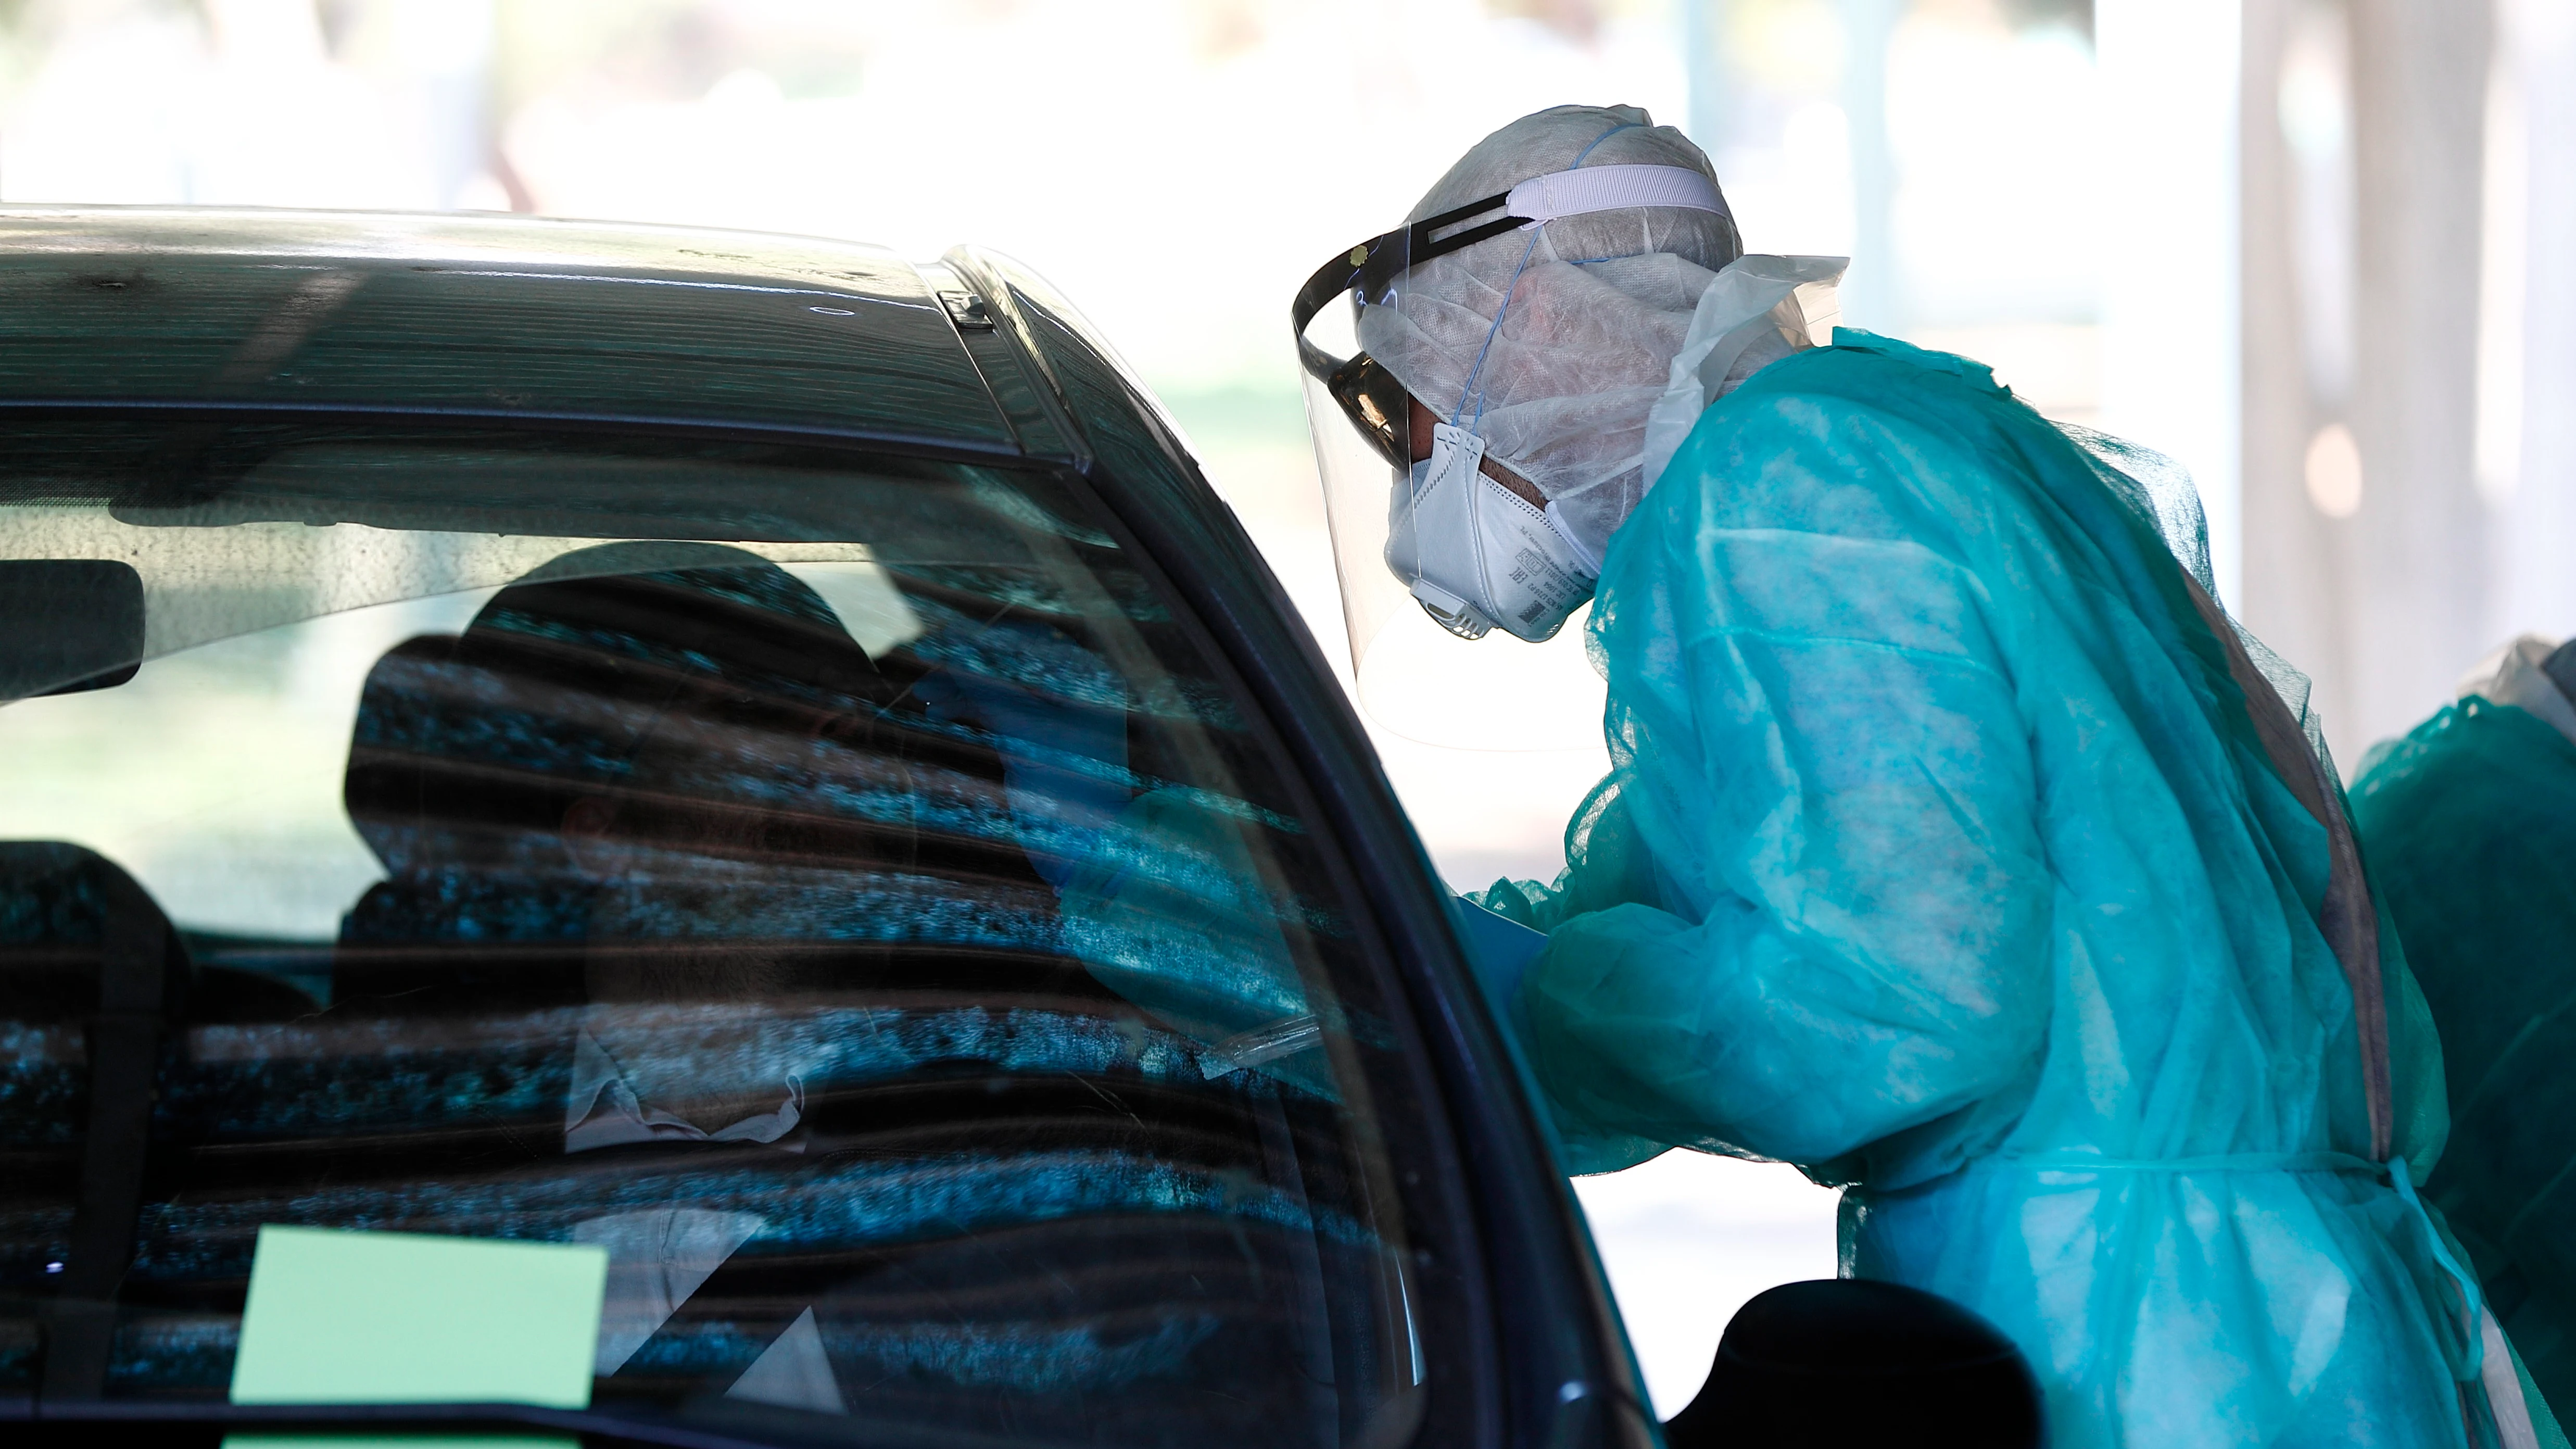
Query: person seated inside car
[(657, 794), (660, 787), (474, 757), (688, 1034)]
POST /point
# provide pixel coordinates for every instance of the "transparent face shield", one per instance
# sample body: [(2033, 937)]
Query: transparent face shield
[(1430, 664)]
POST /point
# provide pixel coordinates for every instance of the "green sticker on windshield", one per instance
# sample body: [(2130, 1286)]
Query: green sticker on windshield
[(407, 1318)]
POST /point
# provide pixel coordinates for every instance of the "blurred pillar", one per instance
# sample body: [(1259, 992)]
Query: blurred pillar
[(1872, 292), (1874, 295), (1707, 71), (2419, 541), (2538, 522), (2169, 76), (2294, 595)]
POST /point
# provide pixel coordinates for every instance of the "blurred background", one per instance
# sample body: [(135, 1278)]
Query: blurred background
[(2321, 251)]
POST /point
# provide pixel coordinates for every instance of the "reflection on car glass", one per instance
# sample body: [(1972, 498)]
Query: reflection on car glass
[(899, 965)]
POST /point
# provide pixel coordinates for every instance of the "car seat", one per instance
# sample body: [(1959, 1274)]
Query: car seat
[(888, 884), (94, 987), (469, 752)]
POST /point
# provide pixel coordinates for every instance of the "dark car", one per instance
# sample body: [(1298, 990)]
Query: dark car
[(760, 772), (751, 754)]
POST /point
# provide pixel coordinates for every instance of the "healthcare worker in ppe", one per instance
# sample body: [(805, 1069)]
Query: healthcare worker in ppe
[(2470, 821), (1957, 847)]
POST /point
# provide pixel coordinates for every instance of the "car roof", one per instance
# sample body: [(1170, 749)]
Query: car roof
[(483, 315)]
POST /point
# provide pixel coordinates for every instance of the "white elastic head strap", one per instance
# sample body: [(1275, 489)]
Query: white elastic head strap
[(1543, 199)]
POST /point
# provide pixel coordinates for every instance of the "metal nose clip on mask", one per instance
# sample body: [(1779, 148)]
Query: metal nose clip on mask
[(1478, 556)]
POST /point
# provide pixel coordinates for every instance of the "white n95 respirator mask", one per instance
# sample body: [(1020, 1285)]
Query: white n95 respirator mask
[(1478, 556)]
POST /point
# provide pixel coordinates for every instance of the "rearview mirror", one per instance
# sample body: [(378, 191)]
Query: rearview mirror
[(68, 624), (1853, 1361)]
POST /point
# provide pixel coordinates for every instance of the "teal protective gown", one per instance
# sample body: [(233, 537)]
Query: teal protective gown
[(2471, 826), (1943, 856)]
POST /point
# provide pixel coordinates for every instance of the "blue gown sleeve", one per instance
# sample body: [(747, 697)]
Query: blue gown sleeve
[(1612, 869), (1832, 906)]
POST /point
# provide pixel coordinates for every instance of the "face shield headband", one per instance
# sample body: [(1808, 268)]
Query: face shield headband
[(1366, 392), (1402, 537)]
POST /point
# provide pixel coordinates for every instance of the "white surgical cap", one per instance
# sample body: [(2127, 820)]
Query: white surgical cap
[(1598, 305), (2518, 674)]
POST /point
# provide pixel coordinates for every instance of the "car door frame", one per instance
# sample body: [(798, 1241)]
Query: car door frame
[(1566, 1375)]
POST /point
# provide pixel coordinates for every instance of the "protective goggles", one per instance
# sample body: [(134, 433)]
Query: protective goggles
[(1366, 392)]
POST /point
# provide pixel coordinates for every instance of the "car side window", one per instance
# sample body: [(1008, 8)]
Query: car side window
[(839, 892)]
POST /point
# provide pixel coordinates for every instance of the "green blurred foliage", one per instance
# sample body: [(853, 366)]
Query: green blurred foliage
[(2076, 15), (1238, 416)]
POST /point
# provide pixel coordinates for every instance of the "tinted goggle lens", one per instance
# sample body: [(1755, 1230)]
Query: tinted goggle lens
[(1376, 405), (1374, 401)]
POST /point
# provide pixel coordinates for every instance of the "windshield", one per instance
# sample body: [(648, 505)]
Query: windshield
[(833, 887)]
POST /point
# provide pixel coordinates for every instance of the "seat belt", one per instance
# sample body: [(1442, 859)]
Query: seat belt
[(124, 1040)]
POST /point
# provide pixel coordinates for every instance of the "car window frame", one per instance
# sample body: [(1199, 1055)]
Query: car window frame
[(1562, 1368), (1443, 1202)]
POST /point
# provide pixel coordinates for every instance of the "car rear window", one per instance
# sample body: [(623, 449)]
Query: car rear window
[(835, 886)]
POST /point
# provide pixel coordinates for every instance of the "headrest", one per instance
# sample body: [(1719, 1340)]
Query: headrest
[(469, 749), (76, 931)]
